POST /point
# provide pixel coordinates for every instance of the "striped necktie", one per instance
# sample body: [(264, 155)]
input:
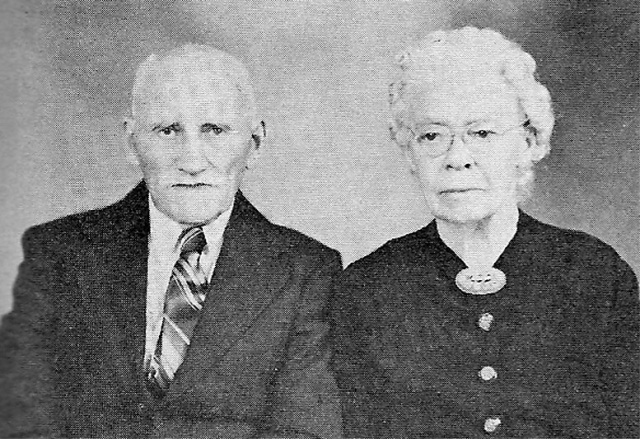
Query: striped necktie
[(184, 300)]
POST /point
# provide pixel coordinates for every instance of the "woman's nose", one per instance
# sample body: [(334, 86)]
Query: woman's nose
[(458, 156)]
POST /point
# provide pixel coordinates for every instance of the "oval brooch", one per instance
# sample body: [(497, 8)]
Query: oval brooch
[(480, 282)]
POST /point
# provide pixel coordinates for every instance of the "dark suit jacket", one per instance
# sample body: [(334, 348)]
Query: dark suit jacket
[(564, 341), (71, 350)]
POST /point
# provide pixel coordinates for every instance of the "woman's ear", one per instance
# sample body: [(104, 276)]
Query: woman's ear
[(534, 151), (401, 136)]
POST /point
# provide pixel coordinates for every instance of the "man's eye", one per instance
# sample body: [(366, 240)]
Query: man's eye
[(212, 128), (167, 131)]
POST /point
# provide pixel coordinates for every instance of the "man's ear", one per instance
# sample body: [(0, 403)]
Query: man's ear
[(129, 130), (259, 134), (258, 137), (128, 124)]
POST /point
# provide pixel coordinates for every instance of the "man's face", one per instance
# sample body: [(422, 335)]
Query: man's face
[(192, 139), (466, 183)]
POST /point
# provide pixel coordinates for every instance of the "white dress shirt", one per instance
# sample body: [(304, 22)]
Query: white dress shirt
[(163, 254)]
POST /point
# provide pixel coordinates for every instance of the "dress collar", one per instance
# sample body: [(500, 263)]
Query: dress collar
[(515, 254)]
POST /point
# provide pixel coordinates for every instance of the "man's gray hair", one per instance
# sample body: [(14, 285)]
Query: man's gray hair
[(199, 57), (482, 49)]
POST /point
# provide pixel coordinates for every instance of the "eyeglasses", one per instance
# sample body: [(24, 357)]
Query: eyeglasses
[(437, 139)]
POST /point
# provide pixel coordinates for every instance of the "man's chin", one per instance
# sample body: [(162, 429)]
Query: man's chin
[(197, 208), (198, 218)]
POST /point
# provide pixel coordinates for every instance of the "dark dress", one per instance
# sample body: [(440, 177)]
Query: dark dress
[(553, 354)]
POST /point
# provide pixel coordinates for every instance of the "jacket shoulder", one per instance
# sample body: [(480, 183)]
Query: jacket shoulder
[(293, 241), (278, 236), (94, 225), (64, 230)]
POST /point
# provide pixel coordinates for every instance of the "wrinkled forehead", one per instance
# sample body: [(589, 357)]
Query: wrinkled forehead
[(184, 84), (463, 94), (192, 81)]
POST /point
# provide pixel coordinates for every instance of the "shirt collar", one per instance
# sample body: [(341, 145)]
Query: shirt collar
[(165, 232)]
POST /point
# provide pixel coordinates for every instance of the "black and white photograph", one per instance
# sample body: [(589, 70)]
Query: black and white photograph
[(320, 219)]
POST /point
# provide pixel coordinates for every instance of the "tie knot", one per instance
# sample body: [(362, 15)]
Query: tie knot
[(192, 240)]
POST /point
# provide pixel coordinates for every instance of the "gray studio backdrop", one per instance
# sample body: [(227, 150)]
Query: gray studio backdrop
[(321, 69)]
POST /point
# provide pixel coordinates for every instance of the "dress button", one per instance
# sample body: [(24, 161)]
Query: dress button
[(491, 424), (488, 373), (485, 321)]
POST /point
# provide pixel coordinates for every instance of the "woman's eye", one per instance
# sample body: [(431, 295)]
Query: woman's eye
[(481, 134), (431, 136)]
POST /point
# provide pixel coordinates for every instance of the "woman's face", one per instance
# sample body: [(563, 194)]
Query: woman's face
[(476, 172)]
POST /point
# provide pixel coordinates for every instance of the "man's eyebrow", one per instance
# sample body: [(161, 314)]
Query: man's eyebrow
[(164, 125), (467, 122), (222, 125)]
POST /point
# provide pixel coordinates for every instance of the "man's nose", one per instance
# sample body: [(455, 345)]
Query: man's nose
[(458, 156), (192, 158)]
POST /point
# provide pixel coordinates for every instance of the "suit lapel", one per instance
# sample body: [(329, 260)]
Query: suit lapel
[(117, 268), (248, 276)]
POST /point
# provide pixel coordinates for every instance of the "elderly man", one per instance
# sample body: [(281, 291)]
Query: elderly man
[(179, 311), (486, 321)]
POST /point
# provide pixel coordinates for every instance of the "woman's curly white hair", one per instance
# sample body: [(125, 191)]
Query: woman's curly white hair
[(481, 50)]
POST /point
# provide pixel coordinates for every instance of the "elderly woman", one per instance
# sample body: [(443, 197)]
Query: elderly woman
[(486, 321)]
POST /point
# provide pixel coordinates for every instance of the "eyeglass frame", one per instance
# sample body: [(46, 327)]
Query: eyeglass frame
[(464, 137)]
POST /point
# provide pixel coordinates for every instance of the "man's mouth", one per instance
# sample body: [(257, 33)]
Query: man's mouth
[(459, 190), (190, 185)]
